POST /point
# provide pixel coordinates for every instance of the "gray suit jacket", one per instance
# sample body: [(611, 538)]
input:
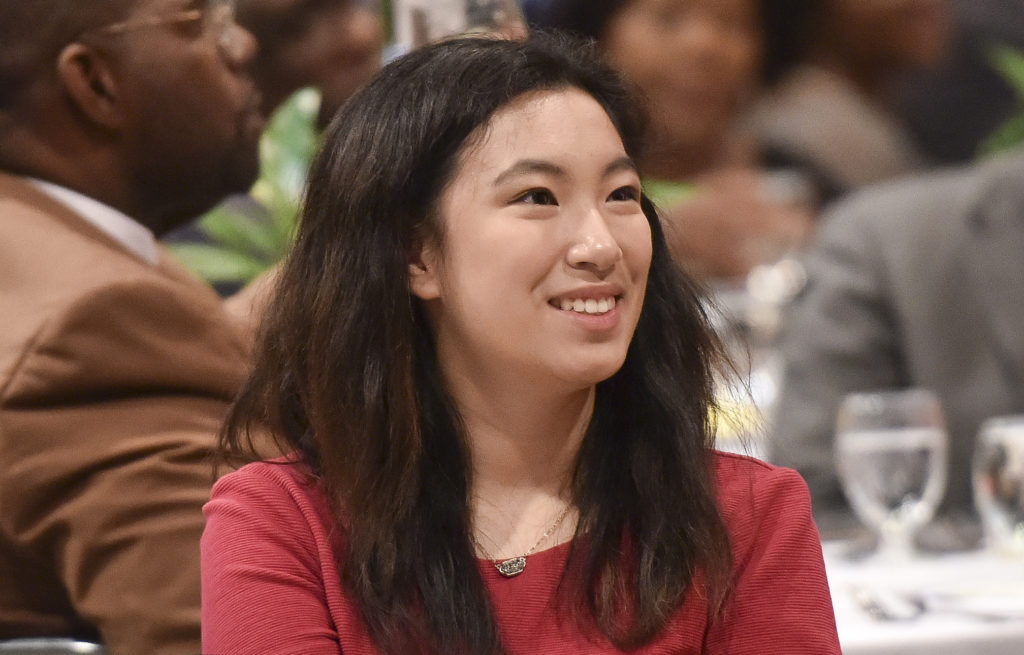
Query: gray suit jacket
[(918, 283)]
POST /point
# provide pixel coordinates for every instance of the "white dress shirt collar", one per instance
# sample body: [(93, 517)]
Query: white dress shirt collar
[(134, 236)]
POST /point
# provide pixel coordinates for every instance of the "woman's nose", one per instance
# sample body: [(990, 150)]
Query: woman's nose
[(594, 247)]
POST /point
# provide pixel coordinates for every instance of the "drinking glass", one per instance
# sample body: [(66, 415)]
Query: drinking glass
[(999, 483), (891, 457)]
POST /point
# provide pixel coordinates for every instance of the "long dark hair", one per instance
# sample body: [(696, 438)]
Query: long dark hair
[(347, 375)]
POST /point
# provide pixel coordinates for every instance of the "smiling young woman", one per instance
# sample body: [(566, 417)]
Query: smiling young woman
[(496, 386), (540, 211)]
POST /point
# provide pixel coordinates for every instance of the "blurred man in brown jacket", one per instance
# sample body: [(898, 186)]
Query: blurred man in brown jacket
[(119, 120)]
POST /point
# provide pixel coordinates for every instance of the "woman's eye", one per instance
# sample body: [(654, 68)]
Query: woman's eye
[(537, 197), (625, 194)]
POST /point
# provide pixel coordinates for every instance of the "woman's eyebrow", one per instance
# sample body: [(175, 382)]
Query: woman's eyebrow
[(528, 166), (624, 163)]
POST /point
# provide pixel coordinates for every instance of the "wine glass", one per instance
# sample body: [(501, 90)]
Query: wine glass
[(998, 476), (891, 458)]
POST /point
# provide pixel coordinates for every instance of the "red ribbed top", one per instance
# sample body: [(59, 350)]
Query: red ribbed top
[(270, 584)]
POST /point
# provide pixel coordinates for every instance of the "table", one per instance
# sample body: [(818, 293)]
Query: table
[(975, 579)]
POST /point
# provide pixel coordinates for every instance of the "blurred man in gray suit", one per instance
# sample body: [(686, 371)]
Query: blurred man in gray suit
[(919, 283)]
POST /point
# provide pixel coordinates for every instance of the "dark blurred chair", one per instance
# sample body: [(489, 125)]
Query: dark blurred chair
[(49, 647)]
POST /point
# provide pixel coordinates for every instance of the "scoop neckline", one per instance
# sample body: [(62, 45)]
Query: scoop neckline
[(543, 554)]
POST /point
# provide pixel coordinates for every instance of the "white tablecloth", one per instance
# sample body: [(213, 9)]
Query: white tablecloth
[(976, 580)]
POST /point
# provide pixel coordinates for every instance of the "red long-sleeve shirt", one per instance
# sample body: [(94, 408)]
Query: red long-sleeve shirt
[(270, 584)]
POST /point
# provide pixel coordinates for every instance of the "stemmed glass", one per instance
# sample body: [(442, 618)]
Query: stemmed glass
[(891, 457), (999, 483)]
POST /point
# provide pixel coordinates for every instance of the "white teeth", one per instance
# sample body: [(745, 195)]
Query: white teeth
[(588, 305)]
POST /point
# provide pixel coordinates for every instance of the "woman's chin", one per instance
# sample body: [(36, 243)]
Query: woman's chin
[(585, 375)]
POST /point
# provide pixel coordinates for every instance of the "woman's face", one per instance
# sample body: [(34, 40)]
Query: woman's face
[(693, 59), (543, 267)]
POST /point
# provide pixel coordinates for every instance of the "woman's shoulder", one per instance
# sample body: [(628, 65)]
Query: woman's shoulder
[(730, 466), (776, 553), (275, 485), (749, 488), (284, 470)]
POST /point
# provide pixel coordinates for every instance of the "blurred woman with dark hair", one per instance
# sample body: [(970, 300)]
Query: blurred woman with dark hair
[(698, 64), (832, 115), (497, 387)]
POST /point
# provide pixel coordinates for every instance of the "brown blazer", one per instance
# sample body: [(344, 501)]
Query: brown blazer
[(114, 378)]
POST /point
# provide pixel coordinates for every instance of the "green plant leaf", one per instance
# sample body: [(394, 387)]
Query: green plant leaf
[(1009, 62), (245, 240), (215, 264), (234, 230), (1009, 135)]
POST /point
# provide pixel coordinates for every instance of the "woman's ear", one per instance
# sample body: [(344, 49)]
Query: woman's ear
[(424, 281), (90, 83)]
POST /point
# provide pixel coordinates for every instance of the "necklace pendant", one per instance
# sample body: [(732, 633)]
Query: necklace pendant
[(511, 567)]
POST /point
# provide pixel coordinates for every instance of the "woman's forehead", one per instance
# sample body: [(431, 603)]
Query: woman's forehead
[(562, 130), (536, 114)]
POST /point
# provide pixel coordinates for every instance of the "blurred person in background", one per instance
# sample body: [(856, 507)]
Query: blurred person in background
[(535, 11), (331, 45), (698, 63), (911, 284), (327, 47), (954, 109), (119, 121), (832, 115)]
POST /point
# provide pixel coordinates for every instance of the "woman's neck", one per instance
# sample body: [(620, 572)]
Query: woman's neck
[(525, 440), (523, 446)]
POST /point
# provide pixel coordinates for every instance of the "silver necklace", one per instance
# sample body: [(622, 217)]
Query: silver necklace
[(513, 566)]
